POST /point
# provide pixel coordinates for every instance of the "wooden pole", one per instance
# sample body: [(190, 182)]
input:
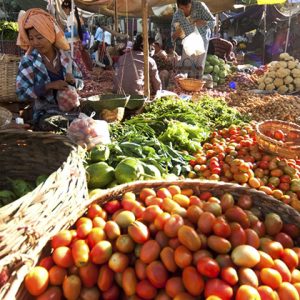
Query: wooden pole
[(146, 48), (116, 16)]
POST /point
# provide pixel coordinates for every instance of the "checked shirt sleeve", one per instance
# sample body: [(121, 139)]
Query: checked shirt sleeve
[(25, 81), (201, 11)]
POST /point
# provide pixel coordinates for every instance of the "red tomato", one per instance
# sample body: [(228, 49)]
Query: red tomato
[(208, 267)]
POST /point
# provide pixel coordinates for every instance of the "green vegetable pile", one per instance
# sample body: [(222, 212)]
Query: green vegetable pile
[(8, 30), (218, 68), (17, 188)]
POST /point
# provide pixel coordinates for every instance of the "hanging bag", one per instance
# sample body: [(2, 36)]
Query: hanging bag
[(193, 44)]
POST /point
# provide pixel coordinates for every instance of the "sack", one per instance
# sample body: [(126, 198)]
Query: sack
[(193, 44), (67, 99), (86, 59)]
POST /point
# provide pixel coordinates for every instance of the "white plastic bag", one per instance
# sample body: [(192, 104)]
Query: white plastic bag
[(87, 132), (67, 99), (193, 43)]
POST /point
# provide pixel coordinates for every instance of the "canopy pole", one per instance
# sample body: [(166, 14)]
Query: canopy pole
[(146, 48), (288, 31), (72, 28), (116, 16), (265, 31)]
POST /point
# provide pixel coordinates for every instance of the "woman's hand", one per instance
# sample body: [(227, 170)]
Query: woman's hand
[(70, 78), (57, 85)]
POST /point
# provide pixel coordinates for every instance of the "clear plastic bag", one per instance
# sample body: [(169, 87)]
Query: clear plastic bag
[(87, 132), (67, 99), (193, 44)]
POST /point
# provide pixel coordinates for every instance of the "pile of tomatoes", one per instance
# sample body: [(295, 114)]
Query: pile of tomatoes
[(233, 155), (170, 243)]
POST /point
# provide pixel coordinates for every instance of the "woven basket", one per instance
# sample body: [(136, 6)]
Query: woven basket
[(191, 84), (289, 148), (5, 117), (27, 224), (9, 69), (261, 201)]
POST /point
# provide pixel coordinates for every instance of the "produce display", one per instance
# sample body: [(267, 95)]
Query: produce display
[(282, 76), (18, 188), (169, 243), (232, 155), (157, 142), (264, 107), (218, 68)]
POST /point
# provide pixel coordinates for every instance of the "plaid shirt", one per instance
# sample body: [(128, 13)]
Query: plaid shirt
[(33, 73), (199, 11)]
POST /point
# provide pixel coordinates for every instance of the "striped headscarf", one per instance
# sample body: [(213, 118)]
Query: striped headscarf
[(44, 24)]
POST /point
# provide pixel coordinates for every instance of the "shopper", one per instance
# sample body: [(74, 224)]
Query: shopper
[(191, 13), (130, 71)]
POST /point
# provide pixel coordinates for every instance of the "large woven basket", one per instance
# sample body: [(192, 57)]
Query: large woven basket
[(9, 69), (289, 149), (261, 201), (191, 84), (28, 223), (5, 116)]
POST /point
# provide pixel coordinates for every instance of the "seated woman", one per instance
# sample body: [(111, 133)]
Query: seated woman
[(130, 71), (45, 69)]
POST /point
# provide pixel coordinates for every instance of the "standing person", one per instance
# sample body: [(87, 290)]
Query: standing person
[(164, 64), (83, 61), (191, 13), (130, 72), (98, 39), (43, 70)]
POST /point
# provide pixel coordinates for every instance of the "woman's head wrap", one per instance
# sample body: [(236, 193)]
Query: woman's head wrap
[(44, 24)]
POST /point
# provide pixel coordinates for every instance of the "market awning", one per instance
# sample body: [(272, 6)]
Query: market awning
[(134, 7)]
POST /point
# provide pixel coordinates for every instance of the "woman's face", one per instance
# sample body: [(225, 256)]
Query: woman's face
[(39, 42), (186, 9)]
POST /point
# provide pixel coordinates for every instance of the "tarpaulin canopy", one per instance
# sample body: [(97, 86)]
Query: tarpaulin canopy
[(133, 8)]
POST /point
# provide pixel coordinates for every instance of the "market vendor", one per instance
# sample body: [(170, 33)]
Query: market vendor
[(45, 70), (191, 13), (129, 77), (222, 48)]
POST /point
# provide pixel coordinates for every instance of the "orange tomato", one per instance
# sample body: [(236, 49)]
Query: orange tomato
[(183, 256), (57, 275), (118, 262), (167, 258), (101, 252), (219, 288), (247, 292), (89, 293), (157, 274), (282, 268), (52, 293), (290, 258), (145, 289), (189, 238), (172, 225), (62, 238), (270, 277), (105, 279), (287, 291), (208, 267), (146, 192), (80, 253), (129, 282), (139, 232), (89, 274), (150, 251), (72, 287), (95, 210), (174, 286), (266, 293), (125, 243), (62, 256), (96, 235), (192, 281), (37, 280), (140, 269), (229, 275), (47, 262)]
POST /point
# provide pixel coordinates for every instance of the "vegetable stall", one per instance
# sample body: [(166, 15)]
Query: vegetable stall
[(188, 195)]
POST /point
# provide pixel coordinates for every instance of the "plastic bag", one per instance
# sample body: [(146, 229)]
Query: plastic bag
[(193, 44), (67, 99), (87, 132)]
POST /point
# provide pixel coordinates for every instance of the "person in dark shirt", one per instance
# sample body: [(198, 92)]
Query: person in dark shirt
[(222, 48)]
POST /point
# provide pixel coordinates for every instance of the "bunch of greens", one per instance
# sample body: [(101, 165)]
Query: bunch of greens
[(8, 30), (168, 129)]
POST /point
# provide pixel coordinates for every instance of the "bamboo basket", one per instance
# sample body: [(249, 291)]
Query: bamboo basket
[(262, 202), (27, 224), (289, 149), (5, 116), (191, 84), (9, 69)]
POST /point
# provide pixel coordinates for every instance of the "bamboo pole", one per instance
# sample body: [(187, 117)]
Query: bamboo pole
[(146, 48), (116, 16)]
